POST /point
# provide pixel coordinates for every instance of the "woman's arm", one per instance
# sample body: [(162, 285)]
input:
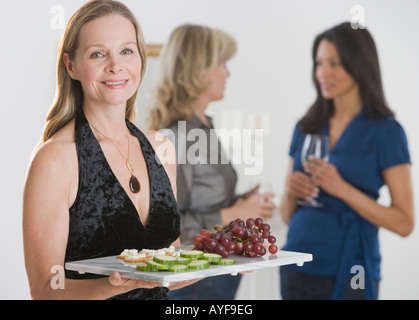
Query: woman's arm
[(398, 217)]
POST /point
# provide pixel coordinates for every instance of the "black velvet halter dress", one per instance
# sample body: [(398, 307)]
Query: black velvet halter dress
[(103, 219)]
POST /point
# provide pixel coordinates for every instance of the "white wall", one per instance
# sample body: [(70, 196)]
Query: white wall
[(270, 74)]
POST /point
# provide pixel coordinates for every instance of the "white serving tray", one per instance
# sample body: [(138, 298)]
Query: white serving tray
[(107, 265)]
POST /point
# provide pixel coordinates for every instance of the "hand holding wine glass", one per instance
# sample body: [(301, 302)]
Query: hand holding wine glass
[(317, 146), (255, 202), (326, 176)]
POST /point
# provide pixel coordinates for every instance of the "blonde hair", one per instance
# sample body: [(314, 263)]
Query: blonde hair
[(69, 93), (191, 52)]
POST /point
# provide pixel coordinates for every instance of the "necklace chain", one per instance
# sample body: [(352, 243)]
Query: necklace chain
[(127, 160), (134, 183)]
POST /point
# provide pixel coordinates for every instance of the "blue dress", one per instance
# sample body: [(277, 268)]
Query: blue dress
[(335, 234)]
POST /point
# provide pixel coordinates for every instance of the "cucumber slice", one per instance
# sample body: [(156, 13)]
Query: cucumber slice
[(142, 266), (225, 262), (182, 260), (198, 264), (212, 257), (192, 254), (179, 268), (165, 259), (158, 266)]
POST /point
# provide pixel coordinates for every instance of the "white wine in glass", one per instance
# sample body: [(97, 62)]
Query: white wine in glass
[(316, 145)]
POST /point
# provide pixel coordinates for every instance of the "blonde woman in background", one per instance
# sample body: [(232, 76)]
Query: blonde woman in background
[(192, 74), (91, 186)]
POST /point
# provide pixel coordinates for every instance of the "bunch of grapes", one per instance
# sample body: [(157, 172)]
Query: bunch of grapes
[(239, 237)]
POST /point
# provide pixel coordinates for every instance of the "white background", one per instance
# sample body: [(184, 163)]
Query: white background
[(271, 80)]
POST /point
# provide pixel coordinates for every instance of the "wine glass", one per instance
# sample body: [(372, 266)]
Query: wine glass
[(316, 145), (264, 186)]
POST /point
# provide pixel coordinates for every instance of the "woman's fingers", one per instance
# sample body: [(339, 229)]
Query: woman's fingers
[(315, 167), (302, 186), (117, 280)]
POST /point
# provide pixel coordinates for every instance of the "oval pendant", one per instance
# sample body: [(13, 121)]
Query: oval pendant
[(134, 184)]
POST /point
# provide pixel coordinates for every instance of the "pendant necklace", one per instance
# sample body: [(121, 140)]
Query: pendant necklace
[(134, 183)]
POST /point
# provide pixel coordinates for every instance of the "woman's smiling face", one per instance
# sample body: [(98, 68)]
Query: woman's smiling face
[(107, 62)]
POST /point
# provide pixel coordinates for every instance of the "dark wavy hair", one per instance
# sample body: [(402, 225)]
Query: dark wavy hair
[(359, 57)]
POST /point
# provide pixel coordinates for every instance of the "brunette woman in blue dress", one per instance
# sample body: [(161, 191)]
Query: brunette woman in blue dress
[(368, 149)]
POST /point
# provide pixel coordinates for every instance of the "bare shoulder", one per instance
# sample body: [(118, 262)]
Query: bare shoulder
[(58, 151), (54, 164)]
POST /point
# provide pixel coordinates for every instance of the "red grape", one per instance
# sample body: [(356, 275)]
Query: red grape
[(238, 232), (265, 226), (233, 224), (219, 248), (273, 248), (254, 238), (250, 222), (211, 244), (253, 231), (239, 248), (217, 236), (228, 235), (200, 246), (257, 248), (224, 254), (231, 246), (262, 251), (224, 241), (248, 246), (241, 223), (206, 233), (258, 222), (199, 239)]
